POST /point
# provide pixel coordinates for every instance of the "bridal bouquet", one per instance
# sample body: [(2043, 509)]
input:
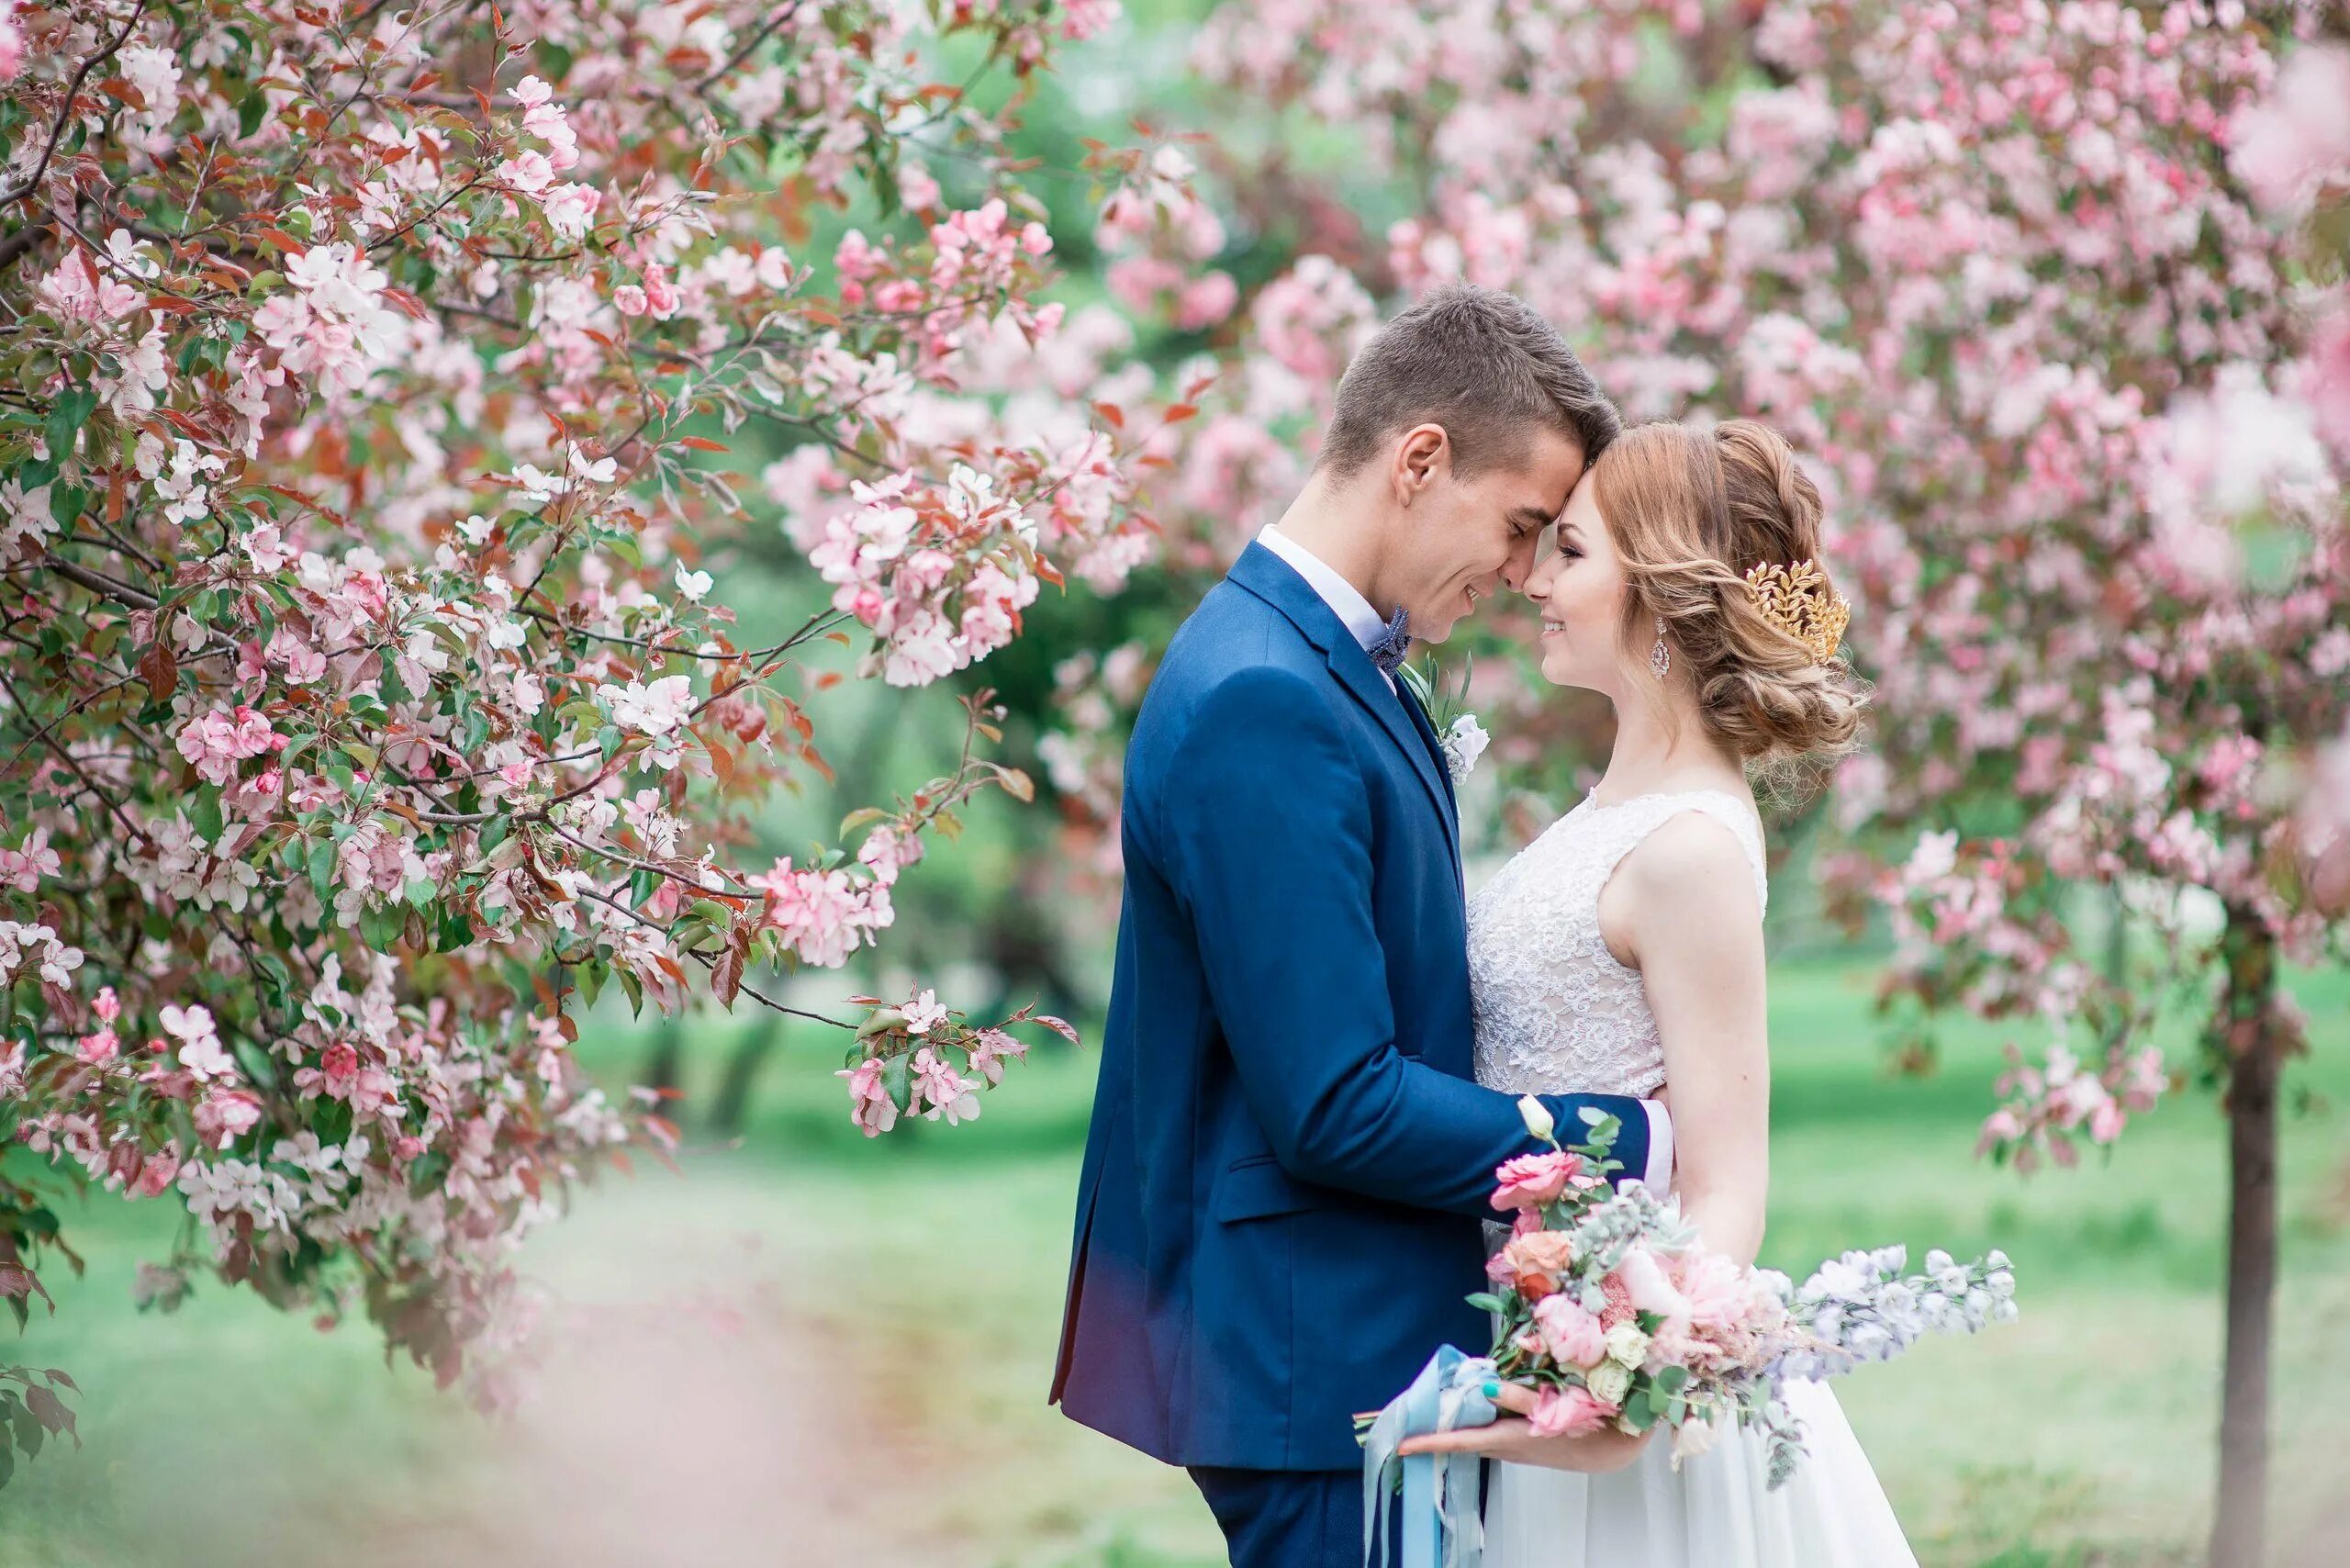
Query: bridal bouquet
[(1612, 1311)]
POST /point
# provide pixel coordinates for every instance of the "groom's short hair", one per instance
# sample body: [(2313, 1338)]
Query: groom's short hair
[(1483, 365)]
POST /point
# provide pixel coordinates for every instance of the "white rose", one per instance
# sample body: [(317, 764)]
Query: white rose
[(1610, 1382), (1628, 1345), (1537, 1117), (1692, 1438)]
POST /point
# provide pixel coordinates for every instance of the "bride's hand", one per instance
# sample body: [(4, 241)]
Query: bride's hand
[(1512, 1439)]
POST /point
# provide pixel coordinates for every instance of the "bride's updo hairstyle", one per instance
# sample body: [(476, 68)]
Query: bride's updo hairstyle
[(1691, 512)]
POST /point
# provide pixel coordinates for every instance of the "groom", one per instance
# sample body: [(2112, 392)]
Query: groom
[(1277, 1221)]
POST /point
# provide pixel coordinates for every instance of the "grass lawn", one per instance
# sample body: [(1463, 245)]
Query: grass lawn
[(816, 1350)]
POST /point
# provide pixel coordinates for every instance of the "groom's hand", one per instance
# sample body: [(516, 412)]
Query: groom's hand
[(1513, 1439)]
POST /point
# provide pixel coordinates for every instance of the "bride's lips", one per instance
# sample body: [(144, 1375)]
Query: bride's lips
[(1553, 628)]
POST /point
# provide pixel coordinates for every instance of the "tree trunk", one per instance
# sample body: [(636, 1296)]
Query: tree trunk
[(666, 1058), (2254, 1043), (731, 1106)]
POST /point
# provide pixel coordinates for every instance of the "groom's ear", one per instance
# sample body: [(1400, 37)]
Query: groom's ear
[(1423, 454)]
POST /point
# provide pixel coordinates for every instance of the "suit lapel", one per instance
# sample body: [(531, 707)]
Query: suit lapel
[(1271, 580), (1428, 738)]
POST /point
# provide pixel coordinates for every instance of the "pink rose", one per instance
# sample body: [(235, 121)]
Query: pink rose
[(1568, 1413), (1532, 1180), (1572, 1335)]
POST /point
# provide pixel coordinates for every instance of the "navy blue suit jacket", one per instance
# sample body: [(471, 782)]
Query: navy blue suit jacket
[(1278, 1217)]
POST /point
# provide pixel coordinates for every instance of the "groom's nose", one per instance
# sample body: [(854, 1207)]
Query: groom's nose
[(1520, 565)]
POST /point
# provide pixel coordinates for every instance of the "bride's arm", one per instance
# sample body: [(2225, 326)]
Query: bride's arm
[(1683, 905)]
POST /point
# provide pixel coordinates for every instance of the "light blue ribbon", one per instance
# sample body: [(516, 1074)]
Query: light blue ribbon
[(1449, 1394)]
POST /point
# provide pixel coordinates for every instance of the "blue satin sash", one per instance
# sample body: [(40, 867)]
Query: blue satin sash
[(1442, 1519)]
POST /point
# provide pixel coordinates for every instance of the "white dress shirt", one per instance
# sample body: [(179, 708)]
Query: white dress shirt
[(1368, 626)]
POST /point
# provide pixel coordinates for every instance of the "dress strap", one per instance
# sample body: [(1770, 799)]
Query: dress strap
[(1622, 826)]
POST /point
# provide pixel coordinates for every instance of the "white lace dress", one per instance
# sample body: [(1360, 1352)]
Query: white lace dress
[(1557, 1013)]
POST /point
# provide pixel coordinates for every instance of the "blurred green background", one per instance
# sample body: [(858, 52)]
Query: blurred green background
[(813, 1348)]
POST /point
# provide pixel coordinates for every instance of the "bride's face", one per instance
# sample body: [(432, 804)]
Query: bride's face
[(1578, 585)]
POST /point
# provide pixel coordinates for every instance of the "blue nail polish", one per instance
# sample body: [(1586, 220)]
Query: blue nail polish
[(1492, 1390)]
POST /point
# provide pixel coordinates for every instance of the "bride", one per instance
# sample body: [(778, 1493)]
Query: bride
[(1623, 950)]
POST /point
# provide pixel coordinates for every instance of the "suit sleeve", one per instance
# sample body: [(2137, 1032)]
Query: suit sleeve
[(1266, 832)]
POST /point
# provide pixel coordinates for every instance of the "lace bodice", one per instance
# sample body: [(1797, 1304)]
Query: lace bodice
[(1555, 1011)]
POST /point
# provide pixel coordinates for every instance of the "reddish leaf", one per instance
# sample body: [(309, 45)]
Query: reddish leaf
[(49, 1410), (16, 1281), (1060, 1027), (157, 665), (726, 975), (699, 444)]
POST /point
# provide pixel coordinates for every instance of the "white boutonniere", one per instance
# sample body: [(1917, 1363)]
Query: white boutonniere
[(1462, 738), (1464, 743)]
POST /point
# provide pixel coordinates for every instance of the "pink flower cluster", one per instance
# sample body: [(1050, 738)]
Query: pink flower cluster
[(2044, 1107), (823, 914), (216, 742), (897, 561), (907, 1064)]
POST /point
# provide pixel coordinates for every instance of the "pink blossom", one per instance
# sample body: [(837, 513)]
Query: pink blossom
[(1205, 301), (948, 1092), (24, 867), (2287, 146), (924, 1013), (571, 208), (217, 741), (224, 1116), (990, 1048), (870, 1107)]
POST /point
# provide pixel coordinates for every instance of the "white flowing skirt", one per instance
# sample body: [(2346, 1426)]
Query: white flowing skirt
[(1716, 1511)]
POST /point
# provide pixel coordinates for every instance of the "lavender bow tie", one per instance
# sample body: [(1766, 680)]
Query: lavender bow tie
[(1393, 644)]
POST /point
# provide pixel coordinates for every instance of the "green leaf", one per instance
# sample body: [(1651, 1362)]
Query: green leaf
[(66, 417), (204, 812), (249, 113), (1671, 1380), (65, 503), (321, 867), (380, 927), (1486, 1301), (896, 1077)]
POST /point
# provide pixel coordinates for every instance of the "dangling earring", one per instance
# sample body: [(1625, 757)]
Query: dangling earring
[(1660, 656)]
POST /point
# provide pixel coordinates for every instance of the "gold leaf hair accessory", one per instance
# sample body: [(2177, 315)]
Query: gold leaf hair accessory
[(1796, 600)]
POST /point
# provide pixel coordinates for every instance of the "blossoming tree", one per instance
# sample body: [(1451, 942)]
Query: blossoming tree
[(371, 378), (2026, 283)]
